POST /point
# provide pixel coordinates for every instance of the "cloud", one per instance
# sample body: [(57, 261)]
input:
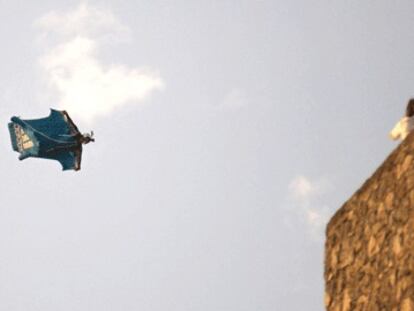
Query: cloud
[(233, 100), (83, 84), (302, 188), (84, 20), (306, 202)]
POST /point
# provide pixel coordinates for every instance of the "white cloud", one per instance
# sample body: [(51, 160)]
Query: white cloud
[(302, 188), (316, 218), (84, 85), (306, 203), (234, 99), (84, 20)]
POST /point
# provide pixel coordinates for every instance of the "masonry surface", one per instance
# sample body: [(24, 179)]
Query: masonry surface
[(369, 250)]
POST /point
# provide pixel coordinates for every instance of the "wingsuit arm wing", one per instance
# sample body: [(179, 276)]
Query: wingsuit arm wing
[(69, 160)]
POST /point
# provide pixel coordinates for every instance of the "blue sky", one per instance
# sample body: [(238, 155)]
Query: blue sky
[(227, 133)]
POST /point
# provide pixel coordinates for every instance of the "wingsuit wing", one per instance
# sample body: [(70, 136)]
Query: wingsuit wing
[(56, 125), (23, 141), (70, 160), (54, 137)]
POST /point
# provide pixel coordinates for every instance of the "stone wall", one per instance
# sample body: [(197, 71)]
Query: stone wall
[(369, 251)]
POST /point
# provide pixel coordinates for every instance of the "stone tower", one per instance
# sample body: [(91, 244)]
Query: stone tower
[(369, 251)]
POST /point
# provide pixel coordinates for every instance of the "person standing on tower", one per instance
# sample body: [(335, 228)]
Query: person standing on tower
[(406, 124)]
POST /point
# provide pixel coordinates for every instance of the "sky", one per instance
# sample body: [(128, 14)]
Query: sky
[(227, 134)]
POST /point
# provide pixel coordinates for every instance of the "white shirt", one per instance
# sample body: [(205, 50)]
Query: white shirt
[(402, 128)]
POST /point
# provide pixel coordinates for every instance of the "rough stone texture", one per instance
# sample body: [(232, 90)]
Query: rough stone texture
[(369, 253)]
